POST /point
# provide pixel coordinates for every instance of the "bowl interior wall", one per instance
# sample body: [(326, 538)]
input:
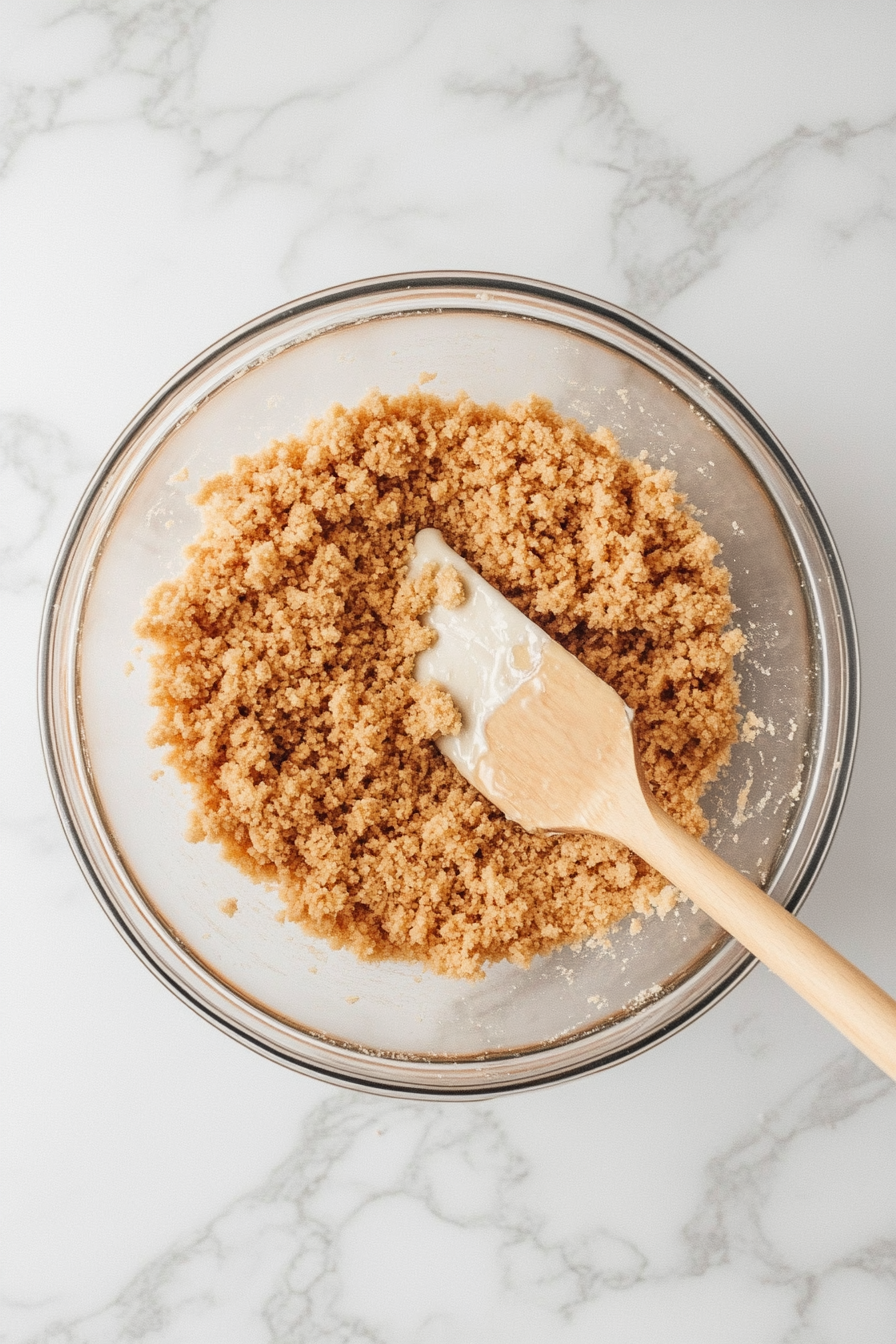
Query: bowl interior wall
[(276, 970)]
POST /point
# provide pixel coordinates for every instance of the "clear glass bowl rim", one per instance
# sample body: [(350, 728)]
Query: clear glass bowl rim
[(58, 695)]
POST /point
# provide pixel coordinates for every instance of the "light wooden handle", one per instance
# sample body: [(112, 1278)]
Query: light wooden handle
[(851, 1002)]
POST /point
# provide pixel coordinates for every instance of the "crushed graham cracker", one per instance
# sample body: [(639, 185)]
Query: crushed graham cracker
[(450, 591), (283, 674)]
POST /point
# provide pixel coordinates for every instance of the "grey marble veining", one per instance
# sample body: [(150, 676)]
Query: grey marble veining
[(668, 227), (40, 474), (394, 1221), (171, 168)]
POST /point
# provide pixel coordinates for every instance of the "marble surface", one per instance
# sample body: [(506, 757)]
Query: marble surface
[(170, 169)]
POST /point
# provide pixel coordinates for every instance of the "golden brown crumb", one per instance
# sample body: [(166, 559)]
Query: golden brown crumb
[(179, 476), (228, 907), (284, 676), (156, 774), (450, 590), (427, 378), (433, 713), (666, 899), (128, 668)]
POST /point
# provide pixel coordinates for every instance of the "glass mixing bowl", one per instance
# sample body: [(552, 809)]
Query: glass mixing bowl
[(390, 1026)]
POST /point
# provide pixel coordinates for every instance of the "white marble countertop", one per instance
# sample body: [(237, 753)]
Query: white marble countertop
[(172, 168)]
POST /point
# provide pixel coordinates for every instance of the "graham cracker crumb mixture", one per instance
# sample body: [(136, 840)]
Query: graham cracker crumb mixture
[(284, 678)]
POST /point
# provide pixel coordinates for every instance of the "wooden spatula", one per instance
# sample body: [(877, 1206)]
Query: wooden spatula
[(552, 746)]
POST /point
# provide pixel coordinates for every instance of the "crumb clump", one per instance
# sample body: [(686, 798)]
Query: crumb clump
[(450, 591), (283, 675)]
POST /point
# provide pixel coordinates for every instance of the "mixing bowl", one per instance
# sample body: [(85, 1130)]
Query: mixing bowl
[(391, 1026)]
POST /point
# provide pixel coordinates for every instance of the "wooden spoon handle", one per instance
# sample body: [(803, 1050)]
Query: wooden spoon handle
[(851, 1002)]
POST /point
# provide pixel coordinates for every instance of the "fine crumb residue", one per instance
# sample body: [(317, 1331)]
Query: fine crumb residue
[(228, 907), (353, 998), (128, 668), (645, 996), (169, 524), (635, 927), (283, 671), (156, 774), (741, 815), (427, 378), (312, 970), (751, 727), (179, 476)]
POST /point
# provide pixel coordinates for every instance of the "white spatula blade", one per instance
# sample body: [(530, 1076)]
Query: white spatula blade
[(486, 650)]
